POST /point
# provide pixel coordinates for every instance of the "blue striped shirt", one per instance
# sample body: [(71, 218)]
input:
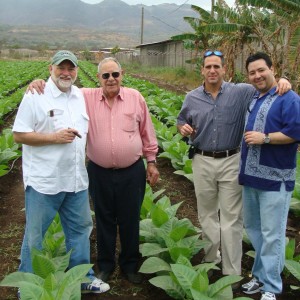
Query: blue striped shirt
[(219, 122)]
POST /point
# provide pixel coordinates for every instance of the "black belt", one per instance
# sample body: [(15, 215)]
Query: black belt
[(218, 154)]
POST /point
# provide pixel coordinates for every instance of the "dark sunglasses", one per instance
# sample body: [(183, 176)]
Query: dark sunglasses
[(113, 74), (210, 53)]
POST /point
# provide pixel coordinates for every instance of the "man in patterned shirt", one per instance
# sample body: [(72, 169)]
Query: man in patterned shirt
[(268, 170)]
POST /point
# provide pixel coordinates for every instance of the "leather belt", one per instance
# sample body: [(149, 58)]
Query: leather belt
[(218, 154)]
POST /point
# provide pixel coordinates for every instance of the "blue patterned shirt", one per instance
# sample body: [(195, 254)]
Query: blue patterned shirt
[(266, 166)]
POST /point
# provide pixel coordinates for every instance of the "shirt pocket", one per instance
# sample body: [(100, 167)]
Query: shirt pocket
[(129, 123), (56, 119), (229, 115)]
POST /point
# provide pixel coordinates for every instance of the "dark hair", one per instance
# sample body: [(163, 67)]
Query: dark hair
[(257, 56), (221, 57)]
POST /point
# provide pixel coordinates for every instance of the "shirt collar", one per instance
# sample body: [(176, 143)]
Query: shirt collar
[(271, 92), (220, 91), (120, 95)]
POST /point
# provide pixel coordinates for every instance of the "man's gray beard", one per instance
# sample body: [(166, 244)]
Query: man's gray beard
[(64, 84)]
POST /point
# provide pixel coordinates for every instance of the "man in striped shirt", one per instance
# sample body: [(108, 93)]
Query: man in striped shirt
[(120, 133)]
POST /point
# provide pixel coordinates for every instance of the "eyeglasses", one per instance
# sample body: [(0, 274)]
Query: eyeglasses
[(210, 53), (113, 74)]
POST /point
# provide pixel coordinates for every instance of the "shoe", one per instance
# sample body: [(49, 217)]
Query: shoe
[(104, 276), (97, 286), (252, 287), (268, 296), (134, 277)]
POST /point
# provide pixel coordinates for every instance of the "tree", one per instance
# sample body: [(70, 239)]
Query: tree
[(285, 53), (272, 26)]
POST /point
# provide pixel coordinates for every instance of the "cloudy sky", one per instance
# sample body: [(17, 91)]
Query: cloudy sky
[(202, 3)]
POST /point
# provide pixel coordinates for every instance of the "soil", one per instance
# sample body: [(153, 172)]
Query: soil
[(176, 187)]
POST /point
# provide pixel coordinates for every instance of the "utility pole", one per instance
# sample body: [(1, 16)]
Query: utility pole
[(142, 26), (212, 8)]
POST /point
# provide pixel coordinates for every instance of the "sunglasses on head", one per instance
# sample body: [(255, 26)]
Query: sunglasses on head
[(210, 53), (113, 74)]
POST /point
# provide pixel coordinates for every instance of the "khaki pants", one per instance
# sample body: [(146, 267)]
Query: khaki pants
[(219, 202)]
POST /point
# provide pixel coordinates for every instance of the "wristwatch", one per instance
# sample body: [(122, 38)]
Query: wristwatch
[(266, 139), (151, 162)]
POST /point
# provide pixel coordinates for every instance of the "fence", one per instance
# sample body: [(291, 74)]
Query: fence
[(172, 59)]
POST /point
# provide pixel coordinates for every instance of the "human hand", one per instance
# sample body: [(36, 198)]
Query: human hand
[(65, 136), (186, 130), (37, 85), (152, 174), (254, 137), (283, 86)]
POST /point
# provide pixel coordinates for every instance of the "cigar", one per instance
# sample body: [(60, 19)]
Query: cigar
[(76, 133)]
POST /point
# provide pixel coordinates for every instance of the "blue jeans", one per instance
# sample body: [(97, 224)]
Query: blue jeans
[(265, 218), (76, 220)]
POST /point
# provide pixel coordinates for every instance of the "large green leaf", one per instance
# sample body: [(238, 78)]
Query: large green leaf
[(176, 251), (221, 284), (151, 249), (159, 216), (72, 279), (42, 265), (50, 283), (185, 275), (15, 279), (154, 265), (293, 267), (201, 282), (167, 284), (30, 291), (199, 295)]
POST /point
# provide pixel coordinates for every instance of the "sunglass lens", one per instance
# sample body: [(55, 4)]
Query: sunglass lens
[(208, 53), (115, 74), (218, 53), (105, 75)]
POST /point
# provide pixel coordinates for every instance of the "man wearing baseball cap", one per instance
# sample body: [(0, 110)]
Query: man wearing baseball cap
[(52, 128), (62, 55)]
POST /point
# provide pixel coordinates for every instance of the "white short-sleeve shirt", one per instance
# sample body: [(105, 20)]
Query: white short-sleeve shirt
[(59, 167)]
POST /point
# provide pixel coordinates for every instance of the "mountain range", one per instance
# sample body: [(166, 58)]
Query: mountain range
[(72, 23)]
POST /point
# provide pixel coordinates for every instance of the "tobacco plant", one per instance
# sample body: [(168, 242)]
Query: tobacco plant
[(50, 280), (181, 280)]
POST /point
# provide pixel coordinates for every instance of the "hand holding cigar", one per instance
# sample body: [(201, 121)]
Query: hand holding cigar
[(76, 133)]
